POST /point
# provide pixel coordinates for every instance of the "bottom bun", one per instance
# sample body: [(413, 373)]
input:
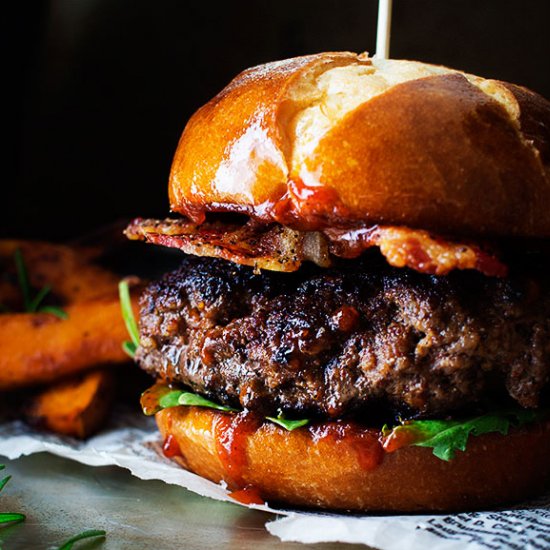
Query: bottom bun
[(341, 466)]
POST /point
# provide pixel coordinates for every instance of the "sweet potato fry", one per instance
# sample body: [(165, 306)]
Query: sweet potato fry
[(77, 407), (70, 271), (39, 348)]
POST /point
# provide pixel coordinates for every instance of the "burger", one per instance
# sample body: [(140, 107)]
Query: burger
[(361, 318)]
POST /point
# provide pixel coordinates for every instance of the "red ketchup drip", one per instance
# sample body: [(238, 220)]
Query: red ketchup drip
[(232, 433), (195, 212), (170, 447), (365, 442), (307, 205), (248, 495)]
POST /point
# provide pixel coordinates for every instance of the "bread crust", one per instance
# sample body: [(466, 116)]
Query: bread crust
[(330, 468), (451, 152)]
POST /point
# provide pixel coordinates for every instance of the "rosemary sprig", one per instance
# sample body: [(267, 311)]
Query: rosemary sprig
[(9, 517), (57, 311), (32, 304), (91, 533), (12, 518), (4, 482)]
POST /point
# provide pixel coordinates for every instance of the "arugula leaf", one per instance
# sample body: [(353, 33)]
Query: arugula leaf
[(193, 399), (446, 437), (287, 424), (170, 399), (67, 545), (129, 319), (9, 517), (160, 397)]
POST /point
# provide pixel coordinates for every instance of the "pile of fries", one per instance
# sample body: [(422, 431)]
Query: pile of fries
[(61, 335)]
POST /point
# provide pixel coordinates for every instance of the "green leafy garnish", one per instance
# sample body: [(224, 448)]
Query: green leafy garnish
[(170, 399), (91, 533), (195, 400), (30, 304), (13, 518), (9, 517), (37, 300), (446, 437), (287, 424), (129, 347), (4, 481), (57, 311), (160, 397)]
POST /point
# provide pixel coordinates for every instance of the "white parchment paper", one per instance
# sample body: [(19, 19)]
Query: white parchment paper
[(131, 442)]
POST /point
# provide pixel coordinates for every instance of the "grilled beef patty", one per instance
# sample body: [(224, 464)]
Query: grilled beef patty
[(347, 340)]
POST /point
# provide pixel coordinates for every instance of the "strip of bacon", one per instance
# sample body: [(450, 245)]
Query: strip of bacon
[(415, 248), (273, 247), (279, 248)]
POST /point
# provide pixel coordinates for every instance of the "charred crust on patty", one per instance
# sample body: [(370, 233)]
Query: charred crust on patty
[(412, 343)]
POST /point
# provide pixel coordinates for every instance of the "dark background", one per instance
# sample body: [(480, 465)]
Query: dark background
[(100, 90)]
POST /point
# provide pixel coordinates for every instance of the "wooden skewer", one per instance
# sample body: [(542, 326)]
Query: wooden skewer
[(383, 30)]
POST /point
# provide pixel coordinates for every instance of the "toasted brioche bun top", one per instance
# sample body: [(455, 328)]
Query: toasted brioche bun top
[(340, 139)]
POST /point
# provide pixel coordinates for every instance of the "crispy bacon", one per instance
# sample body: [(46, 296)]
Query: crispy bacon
[(279, 248), (274, 247), (415, 248)]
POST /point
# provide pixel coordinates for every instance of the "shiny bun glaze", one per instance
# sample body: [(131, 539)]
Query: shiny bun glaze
[(340, 139), (339, 466)]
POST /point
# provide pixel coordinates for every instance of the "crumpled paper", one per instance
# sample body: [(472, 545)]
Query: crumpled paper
[(132, 440)]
